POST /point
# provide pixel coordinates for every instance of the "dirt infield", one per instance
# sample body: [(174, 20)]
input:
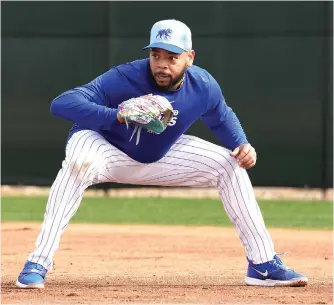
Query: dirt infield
[(150, 264)]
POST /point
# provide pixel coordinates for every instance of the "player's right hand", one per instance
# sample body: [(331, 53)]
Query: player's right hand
[(245, 155)]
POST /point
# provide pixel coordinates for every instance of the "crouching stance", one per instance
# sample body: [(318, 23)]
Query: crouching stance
[(100, 149)]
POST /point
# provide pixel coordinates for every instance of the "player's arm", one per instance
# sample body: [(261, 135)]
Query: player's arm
[(224, 123), (87, 105)]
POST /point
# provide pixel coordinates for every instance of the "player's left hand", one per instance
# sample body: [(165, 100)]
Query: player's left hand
[(245, 155)]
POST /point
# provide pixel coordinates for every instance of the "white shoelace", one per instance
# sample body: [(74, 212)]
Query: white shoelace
[(282, 253)]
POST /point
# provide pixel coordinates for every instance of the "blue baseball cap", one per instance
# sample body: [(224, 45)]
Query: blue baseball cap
[(171, 35)]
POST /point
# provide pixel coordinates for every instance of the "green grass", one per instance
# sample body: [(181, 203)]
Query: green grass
[(173, 211)]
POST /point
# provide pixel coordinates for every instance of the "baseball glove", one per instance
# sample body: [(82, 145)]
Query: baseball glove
[(152, 112)]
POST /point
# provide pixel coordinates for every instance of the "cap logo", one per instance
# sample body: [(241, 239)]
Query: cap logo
[(164, 34)]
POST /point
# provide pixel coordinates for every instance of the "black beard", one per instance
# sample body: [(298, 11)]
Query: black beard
[(172, 82)]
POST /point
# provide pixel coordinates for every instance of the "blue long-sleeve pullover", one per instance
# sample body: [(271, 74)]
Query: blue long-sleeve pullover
[(94, 106)]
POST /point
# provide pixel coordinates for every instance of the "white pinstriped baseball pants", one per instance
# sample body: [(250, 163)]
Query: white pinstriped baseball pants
[(191, 161)]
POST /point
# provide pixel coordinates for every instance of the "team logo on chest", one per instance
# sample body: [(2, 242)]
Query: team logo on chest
[(172, 122)]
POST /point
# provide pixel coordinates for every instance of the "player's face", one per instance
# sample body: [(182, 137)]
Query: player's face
[(168, 68)]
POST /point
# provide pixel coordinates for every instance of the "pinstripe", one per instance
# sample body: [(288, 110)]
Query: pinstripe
[(110, 149), (258, 234), (51, 201), (181, 165), (72, 181), (249, 244), (166, 176), (71, 149), (73, 152), (79, 197), (228, 203), (110, 178), (188, 180), (246, 187), (87, 184), (91, 173), (62, 170), (243, 199), (259, 213), (194, 139), (252, 231), (173, 149), (230, 180), (234, 221), (157, 174), (90, 165), (54, 218), (196, 161), (69, 200), (207, 181), (169, 163), (119, 160)]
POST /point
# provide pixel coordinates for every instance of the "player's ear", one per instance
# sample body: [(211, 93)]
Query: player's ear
[(191, 57)]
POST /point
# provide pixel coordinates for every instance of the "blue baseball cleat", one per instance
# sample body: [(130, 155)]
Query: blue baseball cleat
[(273, 273), (32, 276)]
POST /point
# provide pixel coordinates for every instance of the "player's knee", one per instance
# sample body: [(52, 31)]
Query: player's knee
[(225, 165), (80, 164)]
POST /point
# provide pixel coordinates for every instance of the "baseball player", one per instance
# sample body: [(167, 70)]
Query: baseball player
[(103, 146)]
